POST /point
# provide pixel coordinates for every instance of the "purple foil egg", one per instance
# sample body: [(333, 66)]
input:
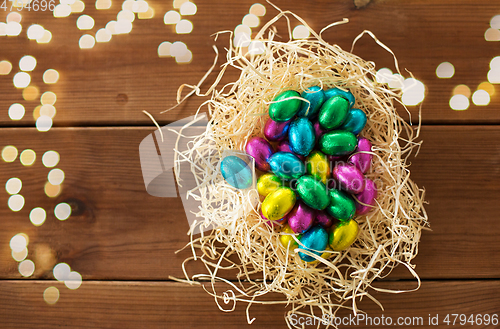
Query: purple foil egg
[(324, 219), (273, 223), (301, 218), (318, 130), (349, 177), (362, 161), (284, 146), (368, 197), (276, 131), (260, 150)]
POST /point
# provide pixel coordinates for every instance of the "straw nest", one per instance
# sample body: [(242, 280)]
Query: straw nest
[(389, 234)]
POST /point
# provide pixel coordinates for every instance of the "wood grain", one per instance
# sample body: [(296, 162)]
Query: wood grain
[(118, 231), (172, 305), (111, 83)]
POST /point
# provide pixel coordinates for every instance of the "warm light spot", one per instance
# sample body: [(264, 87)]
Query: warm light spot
[(22, 80), (490, 89), (3, 29), (300, 32), (38, 216), (35, 32), (140, 6), (242, 29), (47, 36), (186, 58), (62, 211), (188, 8), (19, 242), (26, 268), (171, 17), (5, 67), (87, 41), (67, 2), (50, 76), (61, 271), (123, 27), (27, 63), (397, 81), (495, 22), (481, 98), (50, 159), (494, 76), (178, 3), (256, 48), (250, 20), (19, 256), (495, 63), (85, 22), (13, 185), (14, 17), (36, 112), (184, 27), (150, 13), (459, 102), (164, 49), (55, 176), (43, 123), (16, 111), (102, 4), (78, 6), (103, 35), (462, 90), (48, 97), (51, 295), (384, 75), (13, 29), (20, 3), (30, 93), (178, 49), (128, 4), (445, 70), (492, 35), (9, 153), (52, 190), (27, 157), (242, 40), (62, 10), (74, 280), (257, 9), (125, 15), (16, 202), (111, 27)]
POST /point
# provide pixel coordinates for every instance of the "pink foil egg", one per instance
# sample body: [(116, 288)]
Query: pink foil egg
[(324, 219), (362, 161), (260, 150), (349, 177), (284, 146), (301, 218), (276, 131), (275, 223), (368, 197)]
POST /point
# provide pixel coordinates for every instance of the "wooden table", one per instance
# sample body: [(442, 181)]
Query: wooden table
[(122, 240)]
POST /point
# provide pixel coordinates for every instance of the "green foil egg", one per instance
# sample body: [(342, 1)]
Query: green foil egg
[(287, 240), (268, 183), (312, 192), (278, 203), (342, 205), (333, 112), (318, 166), (338, 142), (343, 235), (284, 109)]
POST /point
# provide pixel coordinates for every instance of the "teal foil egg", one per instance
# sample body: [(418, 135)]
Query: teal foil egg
[(312, 192), (337, 92), (284, 109), (354, 122), (236, 172), (301, 136), (286, 165), (333, 112), (316, 97), (338, 142), (314, 240)]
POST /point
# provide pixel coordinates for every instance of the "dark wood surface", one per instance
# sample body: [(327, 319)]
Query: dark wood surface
[(123, 240)]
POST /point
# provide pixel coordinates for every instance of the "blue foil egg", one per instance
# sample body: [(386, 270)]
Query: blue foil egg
[(301, 136), (354, 122), (316, 97), (236, 172), (286, 165), (314, 240), (337, 92)]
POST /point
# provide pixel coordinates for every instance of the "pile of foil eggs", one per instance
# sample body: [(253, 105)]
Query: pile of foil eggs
[(310, 165)]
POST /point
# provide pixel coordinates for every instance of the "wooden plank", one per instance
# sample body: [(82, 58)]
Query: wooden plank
[(111, 83), (121, 232), (172, 305)]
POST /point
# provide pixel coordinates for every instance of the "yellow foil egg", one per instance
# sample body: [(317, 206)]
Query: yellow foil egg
[(268, 183), (278, 203), (287, 239), (318, 166), (343, 235)]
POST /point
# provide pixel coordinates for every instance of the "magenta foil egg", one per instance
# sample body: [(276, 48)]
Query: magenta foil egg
[(367, 197), (301, 218), (260, 150), (362, 161), (276, 131), (318, 130), (324, 219), (284, 146), (349, 177)]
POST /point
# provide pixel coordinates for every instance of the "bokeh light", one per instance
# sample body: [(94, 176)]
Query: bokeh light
[(78, 6), (257, 9), (9, 153), (50, 76), (242, 29), (384, 75), (492, 35), (51, 295), (27, 63), (21, 80), (47, 36), (186, 58), (52, 190), (62, 10), (61, 271), (148, 14), (38, 216), (250, 20), (488, 87), (50, 159), (128, 5), (74, 280), (13, 185), (256, 47), (30, 93), (164, 49), (459, 102), (48, 97), (13, 29), (27, 157), (178, 3), (3, 29), (300, 32), (102, 4), (5, 67), (495, 22), (481, 98), (55, 176), (123, 27), (35, 32), (178, 49), (86, 41), (26, 268), (462, 90), (19, 256), (140, 6), (242, 40), (125, 15), (18, 242), (48, 110), (16, 111), (16, 202), (445, 70), (103, 35), (62, 211), (188, 8), (171, 17), (184, 27), (43, 123)]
